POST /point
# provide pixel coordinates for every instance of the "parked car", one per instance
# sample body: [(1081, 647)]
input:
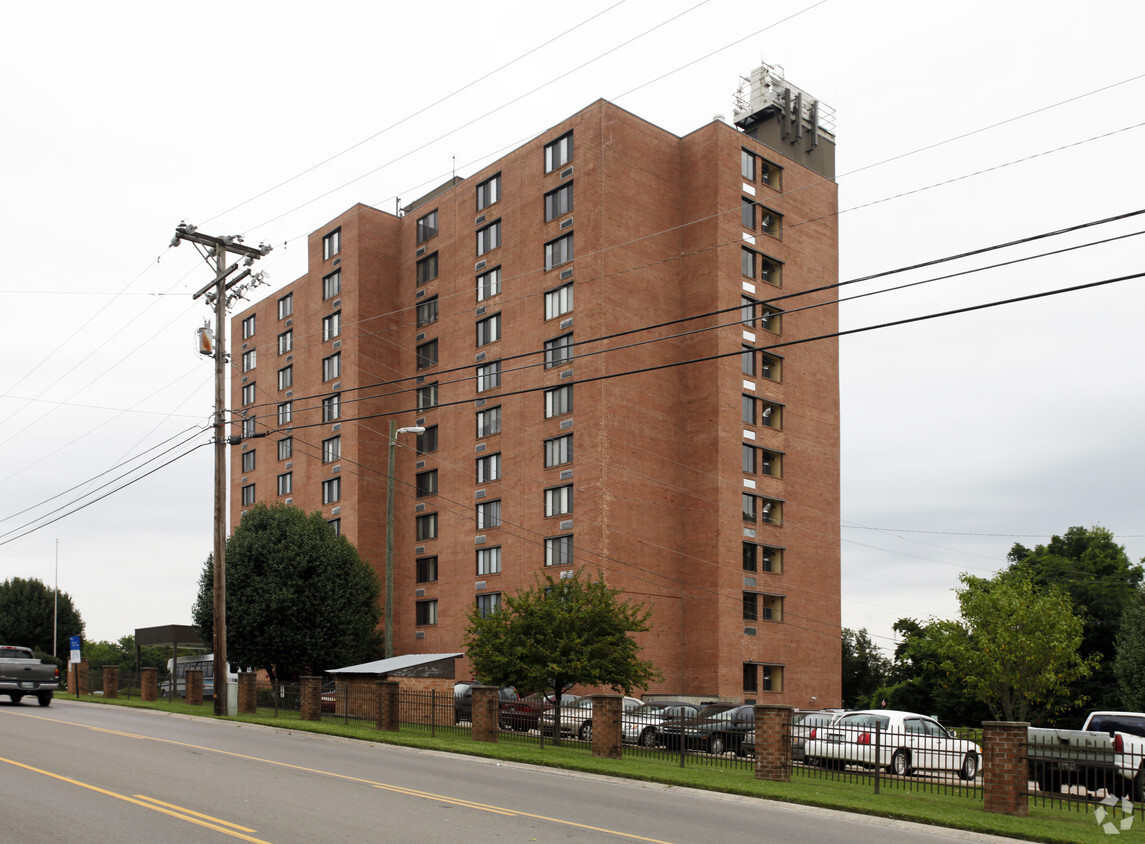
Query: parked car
[(715, 733), (524, 714), (641, 725), (576, 718), (803, 721), (463, 699), (1105, 753), (907, 742)]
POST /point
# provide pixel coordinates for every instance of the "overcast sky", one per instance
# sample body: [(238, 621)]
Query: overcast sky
[(959, 126)]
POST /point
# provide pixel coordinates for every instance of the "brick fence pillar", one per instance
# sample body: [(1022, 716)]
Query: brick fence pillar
[(1005, 778), (387, 705), (194, 686), (606, 736), (149, 684), (79, 683), (248, 693), (486, 705), (111, 681), (773, 742), (310, 706)]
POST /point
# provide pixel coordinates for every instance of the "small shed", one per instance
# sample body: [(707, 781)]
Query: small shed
[(425, 682)]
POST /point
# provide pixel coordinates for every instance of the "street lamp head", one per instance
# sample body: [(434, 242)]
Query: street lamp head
[(415, 429)]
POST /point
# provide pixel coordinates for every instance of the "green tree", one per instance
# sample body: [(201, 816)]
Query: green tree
[(558, 634), (1129, 664), (299, 597), (27, 613), (1097, 575), (865, 669), (1017, 645)]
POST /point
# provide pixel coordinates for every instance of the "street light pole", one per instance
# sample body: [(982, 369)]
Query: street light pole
[(394, 431)]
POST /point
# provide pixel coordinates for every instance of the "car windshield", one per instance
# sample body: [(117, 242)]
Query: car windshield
[(648, 709), (712, 709), (1132, 724), (583, 703), (864, 719), (726, 715)]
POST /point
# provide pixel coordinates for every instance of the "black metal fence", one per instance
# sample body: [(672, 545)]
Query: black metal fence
[(1078, 771)]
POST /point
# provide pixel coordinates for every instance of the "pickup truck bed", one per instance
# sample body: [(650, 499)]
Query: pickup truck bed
[(1105, 755)]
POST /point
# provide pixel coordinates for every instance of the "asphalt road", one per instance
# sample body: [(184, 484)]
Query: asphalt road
[(93, 773)]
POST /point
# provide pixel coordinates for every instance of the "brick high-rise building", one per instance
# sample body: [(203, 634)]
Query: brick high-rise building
[(532, 318)]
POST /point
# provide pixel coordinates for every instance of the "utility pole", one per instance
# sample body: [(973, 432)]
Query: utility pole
[(218, 293)]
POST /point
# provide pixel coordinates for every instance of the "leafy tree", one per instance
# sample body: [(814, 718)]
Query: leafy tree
[(865, 669), (1129, 665), (27, 610), (1017, 645), (299, 597), (558, 634), (1095, 572)]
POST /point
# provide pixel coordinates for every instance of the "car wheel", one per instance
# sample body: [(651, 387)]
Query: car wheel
[(585, 731), (648, 737), (1139, 785), (716, 745), (900, 763), (46, 699), (969, 769), (15, 698)]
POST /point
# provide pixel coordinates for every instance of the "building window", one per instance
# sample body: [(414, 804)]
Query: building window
[(286, 378), (750, 459), (489, 560), (488, 238), (425, 613), (427, 440), (427, 312), (250, 360), (335, 525), (770, 271), (248, 495), (558, 500), (427, 226), (747, 360), (559, 202), (749, 310), (559, 251), (248, 393), (332, 325), (772, 608), (248, 327), (772, 678), (488, 515), (750, 677), (558, 351), (426, 483), (770, 319), (285, 341), (771, 415), (488, 604), (426, 525), (747, 213), (286, 483), (770, 367), (558, 401), (748, 262), (427, 268), (248, 461), (489, 330), (489, 376), (559, 550), (331, 244), (750, 414), (332, 285), (488, 284), (285, 413), (559, 301), (427, 397), (750, 508), (489, 421), (331, 490), (489, 192), (770, 222), (427, 355), (426, 569), (558, 153), (762, 558), (249, 428), (765, 510), (488, 468), (332, 367), (760, 461), (331, 449), (747, 165), (286, 448), (286, 306), (332, 408), (558, 450), (751, 606)]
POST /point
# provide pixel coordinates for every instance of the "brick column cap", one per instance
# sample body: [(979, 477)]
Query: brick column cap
[(1005, 723)]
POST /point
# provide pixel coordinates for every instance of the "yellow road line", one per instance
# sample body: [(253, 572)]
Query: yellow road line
[(346, 777), (187, 811), (160, 808)]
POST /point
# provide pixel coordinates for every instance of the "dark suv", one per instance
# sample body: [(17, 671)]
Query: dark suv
[(463, 699)]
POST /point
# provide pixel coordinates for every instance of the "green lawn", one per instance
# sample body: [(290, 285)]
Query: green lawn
[(958, 811)]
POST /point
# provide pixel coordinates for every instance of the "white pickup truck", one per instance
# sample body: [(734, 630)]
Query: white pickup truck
[(1108, 753), (22, 674)]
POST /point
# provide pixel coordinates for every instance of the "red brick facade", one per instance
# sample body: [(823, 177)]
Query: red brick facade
[(1005, 776), (657, 469)]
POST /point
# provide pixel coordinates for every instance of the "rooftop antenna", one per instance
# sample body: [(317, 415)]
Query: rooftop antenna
[(454, 157)]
